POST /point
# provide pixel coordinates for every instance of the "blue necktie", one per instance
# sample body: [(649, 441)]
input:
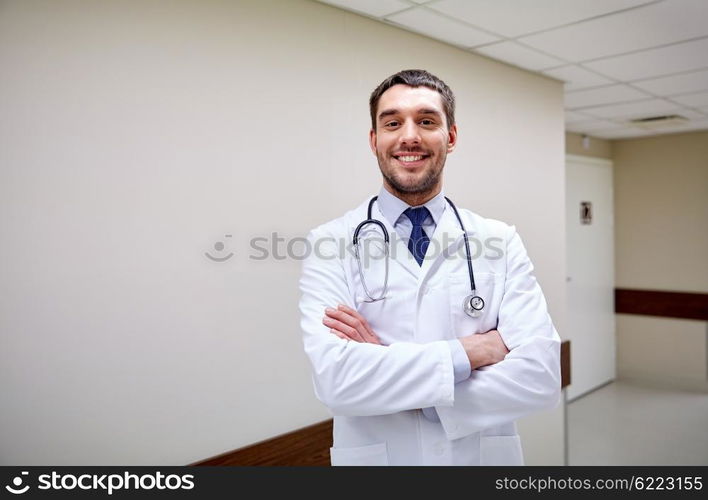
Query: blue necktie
[(418, 242)]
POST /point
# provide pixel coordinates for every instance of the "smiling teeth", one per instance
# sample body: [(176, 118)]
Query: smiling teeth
[(410, 158)]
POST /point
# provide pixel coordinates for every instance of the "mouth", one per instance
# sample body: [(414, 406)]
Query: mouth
[(411, 159)]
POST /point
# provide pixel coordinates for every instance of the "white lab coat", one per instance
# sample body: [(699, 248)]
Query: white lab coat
[(375, 392)]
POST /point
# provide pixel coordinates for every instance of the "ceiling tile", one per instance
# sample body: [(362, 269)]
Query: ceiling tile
[(576, 78), (587, 126), (518, 55), (512, 18), (376, 8), (694, 125), (684, 127), (636, 29), (623, 133), (692, 100), (603, 95), (639, 109), (437, 26), (691, 114), (676, 84), (656, 62), (573, 116)]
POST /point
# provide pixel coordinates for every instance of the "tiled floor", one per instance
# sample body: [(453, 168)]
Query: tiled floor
[(627, 423)]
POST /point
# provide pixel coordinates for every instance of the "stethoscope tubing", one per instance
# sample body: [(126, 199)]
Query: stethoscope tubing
[(467, 245), (472, 305)]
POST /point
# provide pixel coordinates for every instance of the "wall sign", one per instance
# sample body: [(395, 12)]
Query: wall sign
[(586, 212)]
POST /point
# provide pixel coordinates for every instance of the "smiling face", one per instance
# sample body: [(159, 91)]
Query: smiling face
[(411, 142)]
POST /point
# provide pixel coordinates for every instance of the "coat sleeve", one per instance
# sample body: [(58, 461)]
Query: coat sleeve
[(528, 379), (359, 379)]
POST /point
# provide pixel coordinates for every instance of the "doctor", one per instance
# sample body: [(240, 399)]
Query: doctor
[(411, 372)]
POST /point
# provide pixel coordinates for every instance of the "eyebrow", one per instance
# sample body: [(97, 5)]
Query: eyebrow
[(422, 111)]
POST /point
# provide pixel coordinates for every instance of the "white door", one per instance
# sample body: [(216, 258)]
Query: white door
[(590, 273)]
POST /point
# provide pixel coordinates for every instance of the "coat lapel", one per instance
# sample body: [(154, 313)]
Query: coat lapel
[(445, 240)]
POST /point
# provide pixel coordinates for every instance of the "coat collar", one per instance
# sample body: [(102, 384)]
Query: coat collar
[(445, 239), (393, 207)]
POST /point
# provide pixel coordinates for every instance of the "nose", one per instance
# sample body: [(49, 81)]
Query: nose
[(409, 133)]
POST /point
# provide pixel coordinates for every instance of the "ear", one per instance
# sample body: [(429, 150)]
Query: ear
[(372, 141), (452, 138)]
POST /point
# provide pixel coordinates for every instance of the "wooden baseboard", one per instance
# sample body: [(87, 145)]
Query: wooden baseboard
[(307, 446)]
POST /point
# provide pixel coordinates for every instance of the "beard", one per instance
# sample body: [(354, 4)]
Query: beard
[(426, 184)]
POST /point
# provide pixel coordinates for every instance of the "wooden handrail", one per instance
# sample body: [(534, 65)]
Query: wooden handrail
[(668, 304)]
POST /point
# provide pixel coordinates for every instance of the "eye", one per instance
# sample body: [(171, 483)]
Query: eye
[(392, 123), (427, 121)]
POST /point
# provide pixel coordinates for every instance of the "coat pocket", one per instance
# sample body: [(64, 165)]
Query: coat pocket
[(490, 287), (500, 450), (373, 454)]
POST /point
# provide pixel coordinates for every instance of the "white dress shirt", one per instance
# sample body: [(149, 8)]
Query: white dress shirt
[(392, 208)]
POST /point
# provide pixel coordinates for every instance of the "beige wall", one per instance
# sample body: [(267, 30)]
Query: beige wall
[(665, 351), (133, 137), (661, 212), (597, 148), (661, 217)]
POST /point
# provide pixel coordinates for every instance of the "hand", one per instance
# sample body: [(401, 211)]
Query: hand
[(348, 324), (484, 348)]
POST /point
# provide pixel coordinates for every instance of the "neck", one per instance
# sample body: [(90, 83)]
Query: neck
[(414, 199)]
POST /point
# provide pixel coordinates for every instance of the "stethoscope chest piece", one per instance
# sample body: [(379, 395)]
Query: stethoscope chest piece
[(473, 305)]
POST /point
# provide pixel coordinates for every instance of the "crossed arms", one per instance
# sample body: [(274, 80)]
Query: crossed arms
[(482, 349)]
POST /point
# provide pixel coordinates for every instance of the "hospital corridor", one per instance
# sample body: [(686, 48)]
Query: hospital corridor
[(353, 232)]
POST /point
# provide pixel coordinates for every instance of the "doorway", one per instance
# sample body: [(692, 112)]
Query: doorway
[(590, 273)]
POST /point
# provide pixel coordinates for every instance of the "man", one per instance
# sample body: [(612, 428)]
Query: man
[(411, 378)]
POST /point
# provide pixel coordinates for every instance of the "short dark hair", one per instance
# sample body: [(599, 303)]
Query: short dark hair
[(415, 78)]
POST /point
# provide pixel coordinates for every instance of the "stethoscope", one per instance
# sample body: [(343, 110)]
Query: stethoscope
[(473, 303)]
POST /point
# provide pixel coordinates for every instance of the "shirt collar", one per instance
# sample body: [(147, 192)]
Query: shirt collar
[(392, 207)]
